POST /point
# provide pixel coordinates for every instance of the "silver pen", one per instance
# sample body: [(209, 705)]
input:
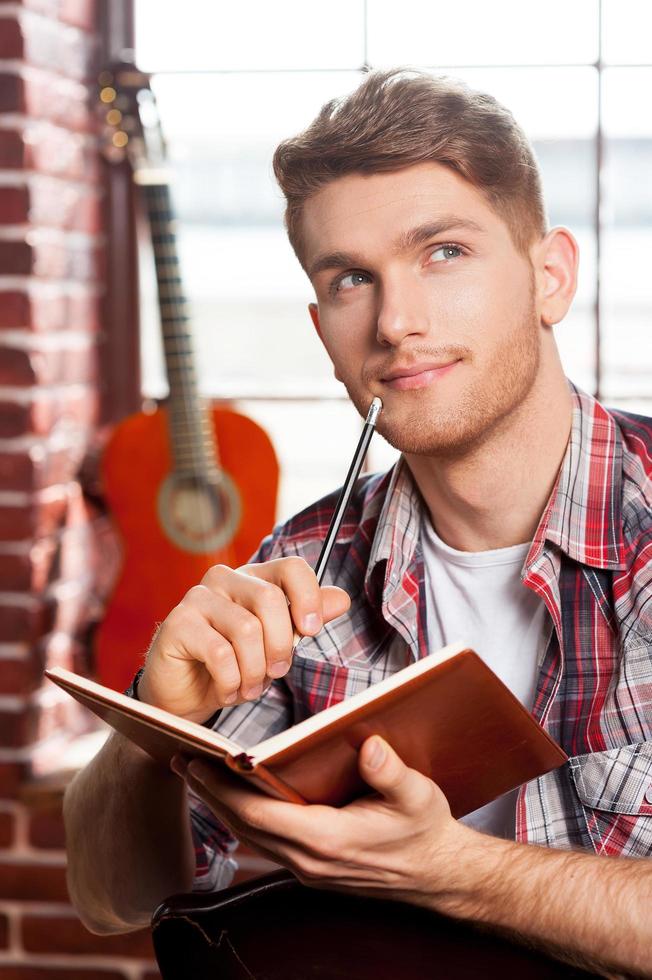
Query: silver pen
[(354, 471)]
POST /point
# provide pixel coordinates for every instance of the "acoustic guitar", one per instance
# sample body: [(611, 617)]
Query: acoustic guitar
[(188, 485)]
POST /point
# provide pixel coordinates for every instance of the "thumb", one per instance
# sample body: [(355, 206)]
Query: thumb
[(385, 772), (335, 602)]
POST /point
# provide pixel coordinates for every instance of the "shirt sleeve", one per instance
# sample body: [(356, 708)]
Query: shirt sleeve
[(247, 724)]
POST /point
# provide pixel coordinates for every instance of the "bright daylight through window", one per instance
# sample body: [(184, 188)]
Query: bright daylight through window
[(227, 96)]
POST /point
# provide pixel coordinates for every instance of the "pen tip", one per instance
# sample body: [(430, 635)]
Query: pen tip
[(374, 411)]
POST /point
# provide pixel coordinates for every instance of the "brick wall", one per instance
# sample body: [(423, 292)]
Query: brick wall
[(54, 547), (51, 284)]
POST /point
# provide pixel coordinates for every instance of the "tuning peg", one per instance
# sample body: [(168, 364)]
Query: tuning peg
[(108, 94)]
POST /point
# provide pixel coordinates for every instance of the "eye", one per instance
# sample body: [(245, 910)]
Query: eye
[(446, 251), (349, 281)]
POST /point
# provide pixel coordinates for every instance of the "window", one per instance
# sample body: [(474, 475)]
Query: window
[(232, 81)]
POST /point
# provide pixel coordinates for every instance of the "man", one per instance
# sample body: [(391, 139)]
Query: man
[(518, 519)]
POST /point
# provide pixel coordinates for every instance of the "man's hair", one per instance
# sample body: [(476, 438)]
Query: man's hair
[(399, 118)]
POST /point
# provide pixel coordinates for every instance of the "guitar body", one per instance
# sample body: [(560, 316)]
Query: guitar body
[(165, 550)]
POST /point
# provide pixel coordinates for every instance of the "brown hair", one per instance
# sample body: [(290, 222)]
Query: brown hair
[(399, 118)]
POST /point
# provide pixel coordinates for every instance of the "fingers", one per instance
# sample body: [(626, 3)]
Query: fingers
[(240, 623), (310, 605), (235, 657), (385, 772)]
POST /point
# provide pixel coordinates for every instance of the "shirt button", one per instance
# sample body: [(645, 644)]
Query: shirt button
[(648, 794)]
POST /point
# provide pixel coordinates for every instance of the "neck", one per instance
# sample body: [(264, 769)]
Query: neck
[(494, 496)]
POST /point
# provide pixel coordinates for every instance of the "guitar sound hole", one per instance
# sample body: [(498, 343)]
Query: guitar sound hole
[(198, 515)]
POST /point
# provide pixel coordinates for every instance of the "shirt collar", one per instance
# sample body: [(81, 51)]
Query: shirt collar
[(397, 531), (583, 516)]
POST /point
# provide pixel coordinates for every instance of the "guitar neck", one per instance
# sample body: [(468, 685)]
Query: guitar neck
[(192, 438)]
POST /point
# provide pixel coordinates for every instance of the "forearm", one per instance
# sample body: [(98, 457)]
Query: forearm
[(589, 910), (128, 838)]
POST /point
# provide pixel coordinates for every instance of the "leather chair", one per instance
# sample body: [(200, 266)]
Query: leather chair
[(274, 928)]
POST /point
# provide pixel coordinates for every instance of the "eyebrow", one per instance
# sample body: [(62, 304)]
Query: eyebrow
[(405, 242)]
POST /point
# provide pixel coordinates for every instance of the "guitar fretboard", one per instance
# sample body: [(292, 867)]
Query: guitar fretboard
[(194, 449)]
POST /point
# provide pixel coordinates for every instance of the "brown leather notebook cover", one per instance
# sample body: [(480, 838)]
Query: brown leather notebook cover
[(447, 715)]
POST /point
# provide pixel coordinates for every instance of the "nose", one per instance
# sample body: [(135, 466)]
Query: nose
[(401, 312)]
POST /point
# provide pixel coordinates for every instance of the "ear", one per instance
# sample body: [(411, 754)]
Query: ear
[(557, 265), (313, 309)]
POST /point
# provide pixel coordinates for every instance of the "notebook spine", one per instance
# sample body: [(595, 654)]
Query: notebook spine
[(245, 766)]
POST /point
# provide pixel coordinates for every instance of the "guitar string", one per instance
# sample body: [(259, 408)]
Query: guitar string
[(182, 377)]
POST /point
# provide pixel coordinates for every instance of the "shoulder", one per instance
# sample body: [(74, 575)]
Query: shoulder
[(634, 586), (636, 433)]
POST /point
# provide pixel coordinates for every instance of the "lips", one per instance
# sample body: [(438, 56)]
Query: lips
[(417, 375), (409, 372)]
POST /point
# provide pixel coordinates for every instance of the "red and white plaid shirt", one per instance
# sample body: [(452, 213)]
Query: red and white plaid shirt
[(590, 561)]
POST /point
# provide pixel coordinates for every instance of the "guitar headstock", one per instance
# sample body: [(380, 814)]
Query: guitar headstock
[(131, 124)]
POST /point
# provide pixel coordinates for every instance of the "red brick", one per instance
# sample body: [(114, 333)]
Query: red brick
[(31, 366), (39, 719), (19, 728), (12, 150), (12, 778), (11, 39), (77, 310), (79, 13), (46, 828), (35, 520), (14, 205), (66, 934), (20, 675), (15, 257), (7, 831), (40, 467), (47, 44), (66, 556), (20, 625), (49, 202), (45, 95), (50, 410), (51, 259), (14, 309), (36, 882)]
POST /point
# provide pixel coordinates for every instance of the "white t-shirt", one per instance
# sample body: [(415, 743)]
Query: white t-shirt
[(478, 598)]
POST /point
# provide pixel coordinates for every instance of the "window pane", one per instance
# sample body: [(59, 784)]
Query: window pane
[(562, 127), (286, 34), (627, 248), (481, 33), (247, 290), (314, 442), (626, 31)]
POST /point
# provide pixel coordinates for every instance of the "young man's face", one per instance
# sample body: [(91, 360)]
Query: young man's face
[(440, 323)]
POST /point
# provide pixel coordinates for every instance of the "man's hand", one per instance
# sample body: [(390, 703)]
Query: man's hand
[(587, 910), (399, 844), (232, 634)]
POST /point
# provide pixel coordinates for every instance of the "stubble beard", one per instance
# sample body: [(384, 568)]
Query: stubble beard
[(480, 407)]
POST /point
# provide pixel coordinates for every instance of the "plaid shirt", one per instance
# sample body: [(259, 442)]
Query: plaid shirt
[(590, 561)]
